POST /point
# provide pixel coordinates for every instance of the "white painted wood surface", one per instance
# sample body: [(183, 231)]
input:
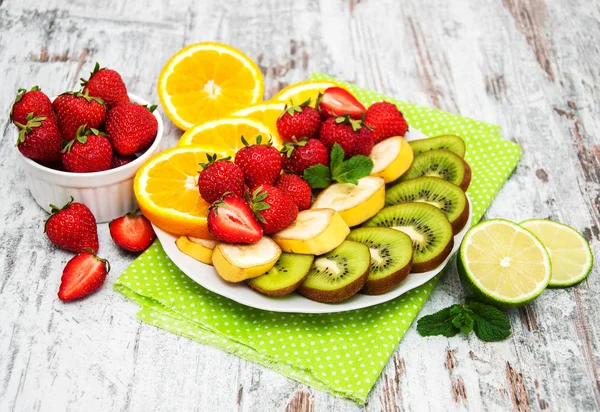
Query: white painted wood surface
[(532, 66)]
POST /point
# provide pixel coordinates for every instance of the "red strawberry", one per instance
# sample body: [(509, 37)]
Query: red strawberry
[(386, 121), (336, 101), (342, 130), (89, 152), (132, 232), (219, 177), (260, 163), (75, 109), (298, 156), (296, 188), (118, 160), (32, 101), (298, 122), (274, 208), (73, 227), (106, 84), (364, 142), (131, 128), (39, 139), (82, 275), (232, 220)]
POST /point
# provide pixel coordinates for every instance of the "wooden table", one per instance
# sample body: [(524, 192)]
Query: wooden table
[(531, 66)]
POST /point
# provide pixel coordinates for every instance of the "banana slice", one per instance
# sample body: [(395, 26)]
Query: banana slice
[(391, 158), (237, 262), (354, 203), (314, 232), (199, 249)]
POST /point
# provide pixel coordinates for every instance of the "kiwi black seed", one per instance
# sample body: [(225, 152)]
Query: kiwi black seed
[(449, 142), (444, 195), (427, 226), (339, 274), (440, 163), (391, 257), (285, 277)]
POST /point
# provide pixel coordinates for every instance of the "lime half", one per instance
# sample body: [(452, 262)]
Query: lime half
[(570, 253), (503, 264)]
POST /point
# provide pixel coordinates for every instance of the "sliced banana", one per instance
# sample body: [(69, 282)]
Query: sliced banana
[(199, 249), (237, 262), (354, 203), (314, 232), (391, 158)]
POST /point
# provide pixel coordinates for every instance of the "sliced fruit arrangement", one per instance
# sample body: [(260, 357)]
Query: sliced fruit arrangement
[(285, 277), (449, 142), (237, 262), (442, 164), (391, 158), (199, 249)]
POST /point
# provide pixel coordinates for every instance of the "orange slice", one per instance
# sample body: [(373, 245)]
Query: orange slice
[(226, 134), (167, 192), (266, 113), (205, 81), (300, 92)]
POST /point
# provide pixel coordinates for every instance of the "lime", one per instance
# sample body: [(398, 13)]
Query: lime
[(503, 264), (570, 253)]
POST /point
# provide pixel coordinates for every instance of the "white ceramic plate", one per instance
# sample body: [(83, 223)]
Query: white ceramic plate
[(207, 277)]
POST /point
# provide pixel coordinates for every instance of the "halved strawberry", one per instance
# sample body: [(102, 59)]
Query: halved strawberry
[(133, 232), (82, 275), (232, 220), (336, 101)]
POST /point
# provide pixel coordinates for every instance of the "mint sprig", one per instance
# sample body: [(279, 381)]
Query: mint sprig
[(340, 170), (489, 323)]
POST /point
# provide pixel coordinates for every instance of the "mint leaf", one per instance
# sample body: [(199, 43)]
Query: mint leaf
[(336, 158), (439, 323), (353, 169), (464, 321), (491, 324), (318, 176)]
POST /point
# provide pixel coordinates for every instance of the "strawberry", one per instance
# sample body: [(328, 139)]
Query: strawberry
[(296, 188), (76, 109), (298, 156), (335, 101), (131, 127), (82, 275), (364, 142), (106, 84), (73, 227), (219, 177), (274, 208), (133, 232), (260, 163), (32, 101), (39, 139), (118, 160), (89, 152), (386, 121), (232, 220), (298, 122), (346, 132)]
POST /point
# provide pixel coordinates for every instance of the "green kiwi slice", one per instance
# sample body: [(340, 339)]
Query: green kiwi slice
[(447, 141), (440, 163), (447, 197), (391, 257), (339, 274), (427, 226), (285, 277)]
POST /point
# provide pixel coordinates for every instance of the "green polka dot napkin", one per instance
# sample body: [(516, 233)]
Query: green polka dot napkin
[(342, 353)]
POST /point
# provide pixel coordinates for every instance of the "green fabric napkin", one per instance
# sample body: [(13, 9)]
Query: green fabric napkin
[(342, 353)]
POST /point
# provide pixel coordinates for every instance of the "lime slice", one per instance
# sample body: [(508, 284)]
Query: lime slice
[(503, 264), (570, 253)]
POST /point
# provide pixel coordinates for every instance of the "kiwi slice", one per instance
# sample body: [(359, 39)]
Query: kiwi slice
[(427, 226), (447, 141), (447, 197), (285, 277), (440, 163), (391, 257), (339, 274)]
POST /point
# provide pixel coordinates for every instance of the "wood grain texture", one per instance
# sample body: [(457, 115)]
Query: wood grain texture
[(532, 66)]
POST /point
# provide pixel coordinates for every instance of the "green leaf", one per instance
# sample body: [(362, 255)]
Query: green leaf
[(352, 169), (317, 176), (463, 321), (439, 323), (336, 158), (490, 323)]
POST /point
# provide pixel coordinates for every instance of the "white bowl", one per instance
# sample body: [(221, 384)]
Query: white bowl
[(108, 194)]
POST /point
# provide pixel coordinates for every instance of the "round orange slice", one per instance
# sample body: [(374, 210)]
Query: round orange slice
[(167, 193), (266, 113), (301, 92), (205, 81)]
